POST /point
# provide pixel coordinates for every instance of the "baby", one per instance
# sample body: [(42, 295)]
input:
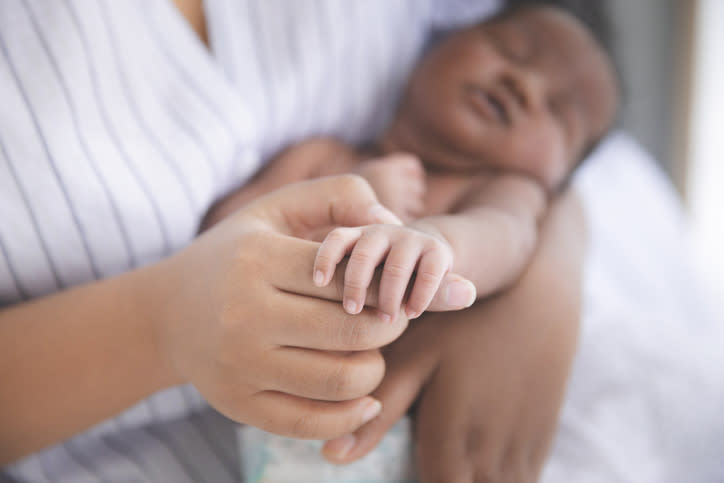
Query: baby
[(493, 122)]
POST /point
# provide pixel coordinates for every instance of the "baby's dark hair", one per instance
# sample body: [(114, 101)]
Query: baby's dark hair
[(594, 17)]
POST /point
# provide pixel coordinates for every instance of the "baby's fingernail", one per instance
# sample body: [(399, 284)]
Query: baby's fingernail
[(340, 447), (318, 278), (460, 293), (383, 215), (383, 316), (371, 411), (350, 306)]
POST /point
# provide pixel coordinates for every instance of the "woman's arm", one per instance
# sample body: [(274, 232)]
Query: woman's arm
[(221, 314), (76, 358)]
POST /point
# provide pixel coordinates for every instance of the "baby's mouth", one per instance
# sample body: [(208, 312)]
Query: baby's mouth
[(487, 104)]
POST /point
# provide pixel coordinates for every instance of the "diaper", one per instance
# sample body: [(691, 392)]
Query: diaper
[(267, 458)]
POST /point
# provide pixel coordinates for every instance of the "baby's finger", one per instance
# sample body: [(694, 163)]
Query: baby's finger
[(290, 260), (332, 250), (434, 264), (369, 252), (396, 274), (302, 418)]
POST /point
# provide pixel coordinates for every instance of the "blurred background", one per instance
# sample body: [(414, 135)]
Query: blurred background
[(671, 56)]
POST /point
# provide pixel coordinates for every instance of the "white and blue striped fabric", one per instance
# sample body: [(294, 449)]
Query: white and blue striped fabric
[(119, 128)]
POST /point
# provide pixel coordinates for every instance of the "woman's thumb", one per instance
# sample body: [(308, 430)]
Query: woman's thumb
[(346, 200)]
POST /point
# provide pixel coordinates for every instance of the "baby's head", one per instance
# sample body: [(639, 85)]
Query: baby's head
[(530, 91)]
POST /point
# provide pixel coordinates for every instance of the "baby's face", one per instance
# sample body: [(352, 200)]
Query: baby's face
[(528, 93)]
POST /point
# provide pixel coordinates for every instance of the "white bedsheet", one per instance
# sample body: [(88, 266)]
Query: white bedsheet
[(646, 398)]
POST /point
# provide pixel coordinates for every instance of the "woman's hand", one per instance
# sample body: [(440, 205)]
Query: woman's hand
[(490, 379), (244, 323), (235, 313), (250, 330)]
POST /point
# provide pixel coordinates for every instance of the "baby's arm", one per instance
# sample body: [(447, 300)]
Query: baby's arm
[(493, 231), (488, 240), (306, 160)]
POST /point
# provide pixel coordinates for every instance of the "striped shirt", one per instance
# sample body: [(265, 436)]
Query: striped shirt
[(118, 130)]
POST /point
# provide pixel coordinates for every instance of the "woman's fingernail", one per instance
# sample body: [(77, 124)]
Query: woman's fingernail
[(383, 215), (371, 411), (318, 278), (350, 306), (340, 447), (460, 293)]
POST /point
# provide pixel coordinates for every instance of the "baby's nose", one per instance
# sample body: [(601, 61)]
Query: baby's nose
[(531, 85)]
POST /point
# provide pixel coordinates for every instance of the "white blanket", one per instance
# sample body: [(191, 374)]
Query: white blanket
[(646, 397)]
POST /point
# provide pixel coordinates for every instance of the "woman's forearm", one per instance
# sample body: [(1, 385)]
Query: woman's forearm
[(73, 359)]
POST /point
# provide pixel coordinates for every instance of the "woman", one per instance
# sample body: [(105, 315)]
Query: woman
[(124, 129)]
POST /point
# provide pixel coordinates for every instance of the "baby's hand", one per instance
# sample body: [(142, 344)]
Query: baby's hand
[(404, 250), (399, 183)]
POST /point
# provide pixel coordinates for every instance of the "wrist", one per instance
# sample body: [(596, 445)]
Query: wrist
[(150, 290)]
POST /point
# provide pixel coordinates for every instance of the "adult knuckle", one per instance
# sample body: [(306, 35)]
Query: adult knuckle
[(305, 426), (339, 382), (356, 335)]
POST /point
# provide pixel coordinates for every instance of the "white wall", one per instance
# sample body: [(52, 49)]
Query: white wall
[(706, 147)]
